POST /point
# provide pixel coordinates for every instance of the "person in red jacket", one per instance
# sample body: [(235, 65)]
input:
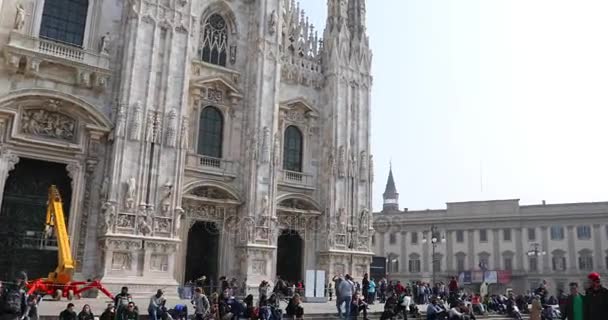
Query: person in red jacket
[(453, 285), (399, 288), (595, 305)]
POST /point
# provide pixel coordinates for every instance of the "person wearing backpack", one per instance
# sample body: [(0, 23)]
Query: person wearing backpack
[(14, 304)]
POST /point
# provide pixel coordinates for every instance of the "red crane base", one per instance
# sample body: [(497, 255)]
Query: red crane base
[(68, 290)]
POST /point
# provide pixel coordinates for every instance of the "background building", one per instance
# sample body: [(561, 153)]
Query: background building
[(500, 235), (187, 137)]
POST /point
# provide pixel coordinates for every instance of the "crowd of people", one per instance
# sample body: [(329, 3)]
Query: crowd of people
[(442, 302)]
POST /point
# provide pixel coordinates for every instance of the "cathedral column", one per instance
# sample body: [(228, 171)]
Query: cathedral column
[(545, 247), (572, 266)]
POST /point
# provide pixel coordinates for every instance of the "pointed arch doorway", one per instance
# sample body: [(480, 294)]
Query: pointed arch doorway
[(290, 250)]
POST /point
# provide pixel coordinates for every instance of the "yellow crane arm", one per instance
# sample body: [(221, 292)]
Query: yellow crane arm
[(55, 219)]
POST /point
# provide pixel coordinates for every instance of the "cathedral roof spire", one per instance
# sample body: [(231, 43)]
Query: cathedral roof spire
[(391, 197), (356, 18), (337, 15)]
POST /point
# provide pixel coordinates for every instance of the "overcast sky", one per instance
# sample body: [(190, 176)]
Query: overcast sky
[(488, 99)]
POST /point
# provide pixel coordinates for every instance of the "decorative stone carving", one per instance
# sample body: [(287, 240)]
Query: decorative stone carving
[(272, 22), (11, 160), (295, 116), (184, 133), (119, 130), (103, 191), (161, 246), (204, 212), (131, 193), (258, 267), (136, 121), (19, 17), (363, 173), (123, 244), (265, 151), (125, 221), (121, 261), (162, 225), (72, 168), (143, 226), (341, 162), (171, 133), (104, 44), (215, 95), (166, 200), (48, 124), (211, 193), (159, 263)]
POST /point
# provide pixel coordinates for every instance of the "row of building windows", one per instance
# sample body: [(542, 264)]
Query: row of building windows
[(211, 137), (65, 21), (583, 232), (585, 263)]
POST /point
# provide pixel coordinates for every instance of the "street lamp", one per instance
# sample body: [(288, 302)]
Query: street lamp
[(435, 239), (535, 251)]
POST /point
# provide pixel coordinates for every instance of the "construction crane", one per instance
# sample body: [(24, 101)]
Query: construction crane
[(60, 282)]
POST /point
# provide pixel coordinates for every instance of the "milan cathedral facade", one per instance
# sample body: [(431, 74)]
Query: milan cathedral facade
[(187, 138)]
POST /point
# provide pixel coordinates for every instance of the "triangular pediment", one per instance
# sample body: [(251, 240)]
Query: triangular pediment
[(300, 104), (216, 82)]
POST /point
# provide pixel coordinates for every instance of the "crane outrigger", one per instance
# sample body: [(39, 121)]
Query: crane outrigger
[(60, 282)]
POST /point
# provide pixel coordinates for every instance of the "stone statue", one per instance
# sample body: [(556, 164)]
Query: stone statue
[(179, 214), (105, 185), (272, 22), (265, 153), (136, 121), (341, 217), (264, 207), (171, 128), (363, 220), (144, 226), (352, 166), (341, 162), (184, 133), (131, 186), (104, 45), (166, 202), (363, 173), (150, 130), (109, 214), (120, 121), (19, 17), (277, 149)]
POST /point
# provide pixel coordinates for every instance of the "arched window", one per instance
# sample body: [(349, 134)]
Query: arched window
[(210, 133), (292, 149), (214, 40), (64, 21)]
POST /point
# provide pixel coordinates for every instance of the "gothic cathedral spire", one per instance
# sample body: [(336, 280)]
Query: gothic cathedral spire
[(390, 196), (356, 18)]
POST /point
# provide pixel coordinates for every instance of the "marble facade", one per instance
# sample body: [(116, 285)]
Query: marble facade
[(122, 111)]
